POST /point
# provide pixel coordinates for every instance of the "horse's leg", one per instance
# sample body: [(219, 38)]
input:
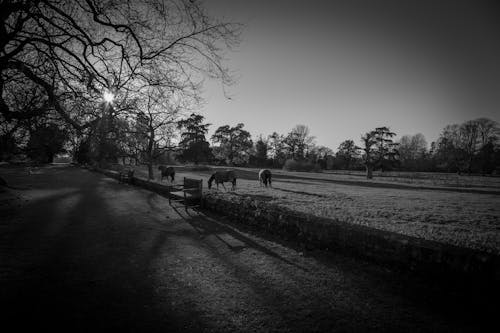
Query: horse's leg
[(224, 186)]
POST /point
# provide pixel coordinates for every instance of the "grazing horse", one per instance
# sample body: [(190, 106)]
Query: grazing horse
[(223, 176), (166, 171), (265, 177)]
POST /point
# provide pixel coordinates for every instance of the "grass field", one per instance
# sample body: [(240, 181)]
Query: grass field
[(429, 178), (435, 213)]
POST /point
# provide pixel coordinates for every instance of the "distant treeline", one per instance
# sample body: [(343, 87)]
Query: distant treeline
[(471, 147)]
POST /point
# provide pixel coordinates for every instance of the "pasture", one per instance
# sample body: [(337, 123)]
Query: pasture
[(440, 213)]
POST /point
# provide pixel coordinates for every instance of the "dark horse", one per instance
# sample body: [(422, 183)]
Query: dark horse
[(223, 176), (166, 171), (265, 177)]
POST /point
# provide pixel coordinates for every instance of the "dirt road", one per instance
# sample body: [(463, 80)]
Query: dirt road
[(84, 252)]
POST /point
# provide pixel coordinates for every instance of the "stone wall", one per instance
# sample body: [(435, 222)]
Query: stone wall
[(151, 186), (384, 247)]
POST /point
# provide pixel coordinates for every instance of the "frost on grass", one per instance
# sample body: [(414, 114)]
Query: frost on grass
[(462, 219)]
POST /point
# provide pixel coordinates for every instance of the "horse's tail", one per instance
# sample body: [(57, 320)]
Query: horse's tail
[(210, 180)]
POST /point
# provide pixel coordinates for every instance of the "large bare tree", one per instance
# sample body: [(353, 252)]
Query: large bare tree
[(299, 142), (155, 125), (67, 53)]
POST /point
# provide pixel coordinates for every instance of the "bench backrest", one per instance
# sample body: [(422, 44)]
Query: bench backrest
[(193, 187), (190, 183)]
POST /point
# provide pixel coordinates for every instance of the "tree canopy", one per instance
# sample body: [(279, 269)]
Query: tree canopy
[(63, 55), (235, 144)]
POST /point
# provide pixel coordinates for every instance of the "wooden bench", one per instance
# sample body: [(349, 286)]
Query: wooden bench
[(190, 191), (125, 175)]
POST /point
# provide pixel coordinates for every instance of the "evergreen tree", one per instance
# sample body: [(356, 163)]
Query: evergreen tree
[(193, 145), (386, 153), (379, 150)]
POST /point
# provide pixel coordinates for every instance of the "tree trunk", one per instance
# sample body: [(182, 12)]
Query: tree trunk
[(150, 153), (369, 171), (150, 169)]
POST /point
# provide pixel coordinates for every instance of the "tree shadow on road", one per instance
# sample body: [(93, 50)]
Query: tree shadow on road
[(206, 226), (452, 302)]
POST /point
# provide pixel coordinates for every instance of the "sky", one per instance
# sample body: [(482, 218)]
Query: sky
[(345, 67)]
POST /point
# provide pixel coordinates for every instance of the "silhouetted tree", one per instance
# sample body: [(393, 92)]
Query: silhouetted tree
[(486, 158), (488, 131), (235, 144), (347, 153), (465, 147), (261, 149), (45, 142), (317, 155), (82, 151), (469, 139), (386, 150), (155, 125), (447, 153), (379, 150), (412, 151), (276, 148), (368, 145), (298, 142), (193, 145), (9, 138)]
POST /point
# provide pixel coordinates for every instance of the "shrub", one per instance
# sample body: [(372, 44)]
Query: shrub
[(198, 168), (293, 165), (317, 168)]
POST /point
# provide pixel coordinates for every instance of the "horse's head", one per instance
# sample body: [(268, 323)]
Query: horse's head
[(210, 180)]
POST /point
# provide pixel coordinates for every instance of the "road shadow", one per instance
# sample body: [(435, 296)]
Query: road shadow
[(208, 226), (82, 264), (471, 304)]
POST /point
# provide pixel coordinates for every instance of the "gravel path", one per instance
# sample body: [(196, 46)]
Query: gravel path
[(81, 251)]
